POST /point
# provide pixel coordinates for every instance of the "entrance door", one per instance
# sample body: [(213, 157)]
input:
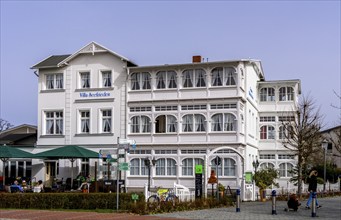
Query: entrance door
[(50, 173)]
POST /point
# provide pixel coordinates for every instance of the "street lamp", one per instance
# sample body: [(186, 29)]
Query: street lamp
[(255, 165), (324, 146), (148, 164)]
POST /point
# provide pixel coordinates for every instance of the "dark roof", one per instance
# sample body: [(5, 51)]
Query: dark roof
[(51, 61), (12, 138)]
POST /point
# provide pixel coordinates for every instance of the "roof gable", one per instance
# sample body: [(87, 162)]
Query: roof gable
[(61, 60)]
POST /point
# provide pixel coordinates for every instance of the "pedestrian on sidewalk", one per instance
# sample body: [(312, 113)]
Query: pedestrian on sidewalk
[(312, 188)]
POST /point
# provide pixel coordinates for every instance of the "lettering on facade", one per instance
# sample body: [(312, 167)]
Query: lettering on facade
[(251, 93), (94, 94)]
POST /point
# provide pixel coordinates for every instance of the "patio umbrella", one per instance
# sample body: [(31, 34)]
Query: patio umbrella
[(7, 152), (71, 152)]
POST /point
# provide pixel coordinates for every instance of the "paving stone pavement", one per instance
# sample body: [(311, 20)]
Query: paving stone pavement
[(331, 209)]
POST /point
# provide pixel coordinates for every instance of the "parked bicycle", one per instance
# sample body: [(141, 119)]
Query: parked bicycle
[(163, 195)]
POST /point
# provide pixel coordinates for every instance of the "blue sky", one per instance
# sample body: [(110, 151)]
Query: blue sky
[(294, 40)]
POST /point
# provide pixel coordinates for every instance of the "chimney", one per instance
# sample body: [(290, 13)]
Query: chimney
[(196, 59)]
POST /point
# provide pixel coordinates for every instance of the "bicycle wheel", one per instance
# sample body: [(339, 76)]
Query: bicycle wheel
[(172, 198), (153, 199)]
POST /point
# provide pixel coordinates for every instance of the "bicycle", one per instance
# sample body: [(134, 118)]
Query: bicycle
[(163, 195)]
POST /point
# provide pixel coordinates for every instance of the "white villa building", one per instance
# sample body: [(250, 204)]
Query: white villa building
[(178, 115)]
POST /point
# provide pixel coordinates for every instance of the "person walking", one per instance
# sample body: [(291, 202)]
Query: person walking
[(312, 188)]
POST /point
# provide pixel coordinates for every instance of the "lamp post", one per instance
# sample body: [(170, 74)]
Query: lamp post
[(324, 146), (148, 164), (255, 165)]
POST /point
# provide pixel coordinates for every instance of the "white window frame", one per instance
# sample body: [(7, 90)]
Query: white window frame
[(224, 76), (283, 169), (140, 81), (270, 134), (267, 94), (55, 80), (136, 125), (188, 166), (103, 118), (106, 81), (286, 94), (85, 82), (166, 167), (51, 119), (138, 169), (84, 118), (228, 122)]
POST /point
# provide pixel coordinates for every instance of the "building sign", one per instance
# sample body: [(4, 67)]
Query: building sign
[(251, 92), (94, 95)]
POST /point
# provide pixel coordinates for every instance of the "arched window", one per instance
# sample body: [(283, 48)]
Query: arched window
[(286, 94), (166, 80), (266, 165), (165, 124), (137, 167), (188, 165), (267, 95), (165, 167), (140, 124), (194, 78), (224, 76), (193, 122), (140, 81), (267, 132), (224, 122), (286, 132), (285, 170), (229, 167)]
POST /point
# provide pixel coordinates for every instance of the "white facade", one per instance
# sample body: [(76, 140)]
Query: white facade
[(179, 115)]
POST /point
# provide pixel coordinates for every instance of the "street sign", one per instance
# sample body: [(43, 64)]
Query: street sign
[(134, 196), (123, 166), (198, 169)]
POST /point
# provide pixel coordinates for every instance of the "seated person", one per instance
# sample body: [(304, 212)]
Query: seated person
[(293, 202), (41, 185), (16, 187)]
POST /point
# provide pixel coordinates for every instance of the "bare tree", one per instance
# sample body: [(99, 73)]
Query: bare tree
[(334, 135), (4, 125), (302, 135)]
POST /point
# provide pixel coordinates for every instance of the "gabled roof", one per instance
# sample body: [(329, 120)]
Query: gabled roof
[(13, 138), (12, 129), (61, 60), (50, 62)]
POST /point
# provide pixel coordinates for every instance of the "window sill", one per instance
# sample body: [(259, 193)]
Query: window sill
[(94, 134), (193, 88), (52, 136), (94, 89), (141, 90), (52, 90)]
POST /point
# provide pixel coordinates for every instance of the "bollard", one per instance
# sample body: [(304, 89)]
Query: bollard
[(238, 201), (313, 205), (273, 194)]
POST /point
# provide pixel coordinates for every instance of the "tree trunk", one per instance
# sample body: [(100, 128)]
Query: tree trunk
[(299, 176)]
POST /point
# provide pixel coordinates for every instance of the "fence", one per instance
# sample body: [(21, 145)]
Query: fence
[(183, 193)]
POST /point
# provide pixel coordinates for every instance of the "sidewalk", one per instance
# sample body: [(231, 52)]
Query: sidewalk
[(331, 209)]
